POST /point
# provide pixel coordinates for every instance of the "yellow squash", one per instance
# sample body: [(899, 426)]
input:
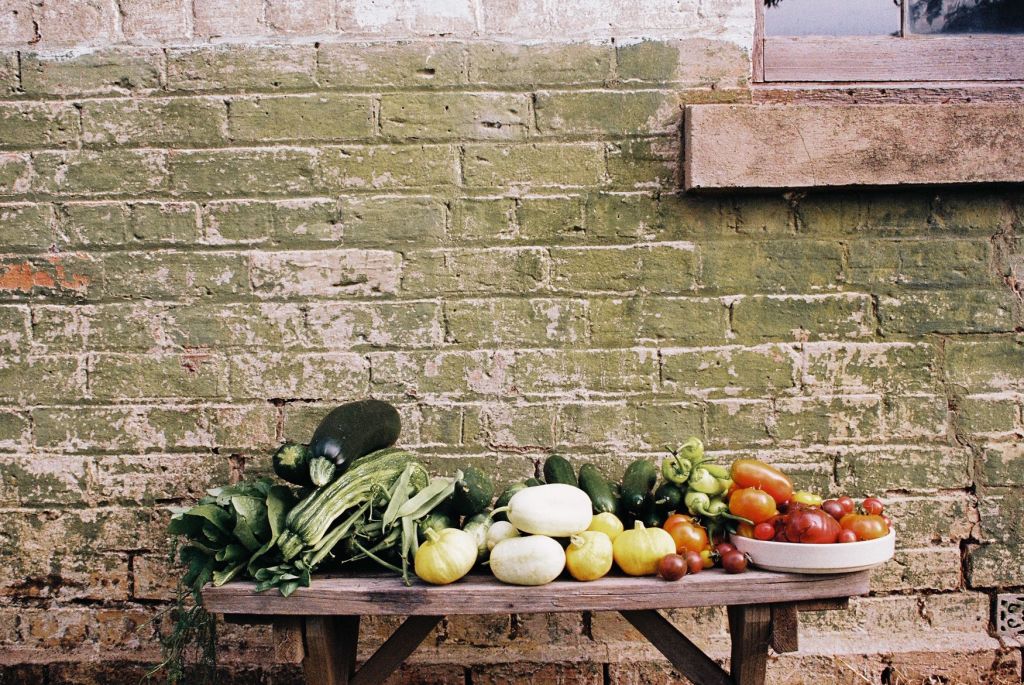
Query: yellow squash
[(589, 555), (638, 551), (607, 523), (445, 556)]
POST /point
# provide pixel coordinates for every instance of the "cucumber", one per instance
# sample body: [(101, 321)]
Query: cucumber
[(473, 493), (354, 430), (533, 482), (291, 463), (600, 492), (637, 482), (557, 469), (668, 498), (649, 513), (505, 496)]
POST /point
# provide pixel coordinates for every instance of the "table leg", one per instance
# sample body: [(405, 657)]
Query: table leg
[(750, 627), (394, 651), (684, 655), (331, 643)]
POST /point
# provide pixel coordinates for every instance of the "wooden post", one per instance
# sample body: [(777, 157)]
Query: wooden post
[(785, 621), (394, 651), (750, 627), (331, 643), (288, 641), (684, 655)]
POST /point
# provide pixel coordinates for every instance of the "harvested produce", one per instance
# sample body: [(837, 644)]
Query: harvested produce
[(753, 504), (812, 526), (694, 562), (686, 533), (500, 530), (607, 523), (554, 509), (446, 556), (589, 555), (322, 470), (668, 498), (598, 489), (355, 429), (734, 561), (435, 520), (753, 473), (638, 551), (557, 469), (473, 492), (530, 560), (872, 506), (637, 483), (291, 463), (478, 526), (505, 497), (805, 497), (672, 567), (865, 526)]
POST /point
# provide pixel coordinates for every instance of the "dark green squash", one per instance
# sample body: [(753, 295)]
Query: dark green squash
[(354, 430)]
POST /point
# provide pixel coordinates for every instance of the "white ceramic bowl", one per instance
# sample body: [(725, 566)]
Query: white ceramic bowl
[(792, 557)]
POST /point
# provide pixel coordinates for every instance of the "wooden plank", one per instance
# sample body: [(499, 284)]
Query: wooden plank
[(684, 655), (482, 594), (289, 646), (750, 629), (730, 147), (888, 58), (398, 647), (785, 622), (888, 93), (330, 646)]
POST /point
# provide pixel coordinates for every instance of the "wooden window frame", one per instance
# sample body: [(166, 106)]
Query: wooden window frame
[(992, 60)]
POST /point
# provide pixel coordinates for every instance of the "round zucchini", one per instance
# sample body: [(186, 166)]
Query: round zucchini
[(473, 493), (354, 430), (291, 463)]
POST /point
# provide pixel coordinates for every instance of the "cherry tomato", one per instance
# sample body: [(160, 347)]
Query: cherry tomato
[(753, 473), (724, 548), (872, 506), (866, 527), (764, 531), (751, 503), (672, 567), (694, 563), (833, 508), (745, 530), (888, 521), (846, 536), (734, 562), (811, 526), (687, 533), (847, 504), (708, 557), (805, 497)]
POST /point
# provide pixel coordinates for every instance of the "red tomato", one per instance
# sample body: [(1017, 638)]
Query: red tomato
[(833, 508), (672, 567), (734, 562), (866, 527), (724, 548), (811, 526), (846, 536), (674, 519), (694, 563), (753, 473), (847, 504), (764, 531), (687, 533), (872, 506), (754, 504)]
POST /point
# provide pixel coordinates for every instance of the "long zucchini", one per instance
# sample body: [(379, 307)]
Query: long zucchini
[(355, 429)]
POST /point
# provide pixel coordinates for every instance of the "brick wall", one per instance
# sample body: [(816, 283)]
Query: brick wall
[(204, 247)]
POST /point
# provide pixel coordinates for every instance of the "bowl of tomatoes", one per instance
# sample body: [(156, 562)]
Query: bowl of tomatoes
[(798, 557)]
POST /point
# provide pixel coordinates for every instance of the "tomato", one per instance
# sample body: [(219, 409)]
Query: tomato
[(888, 521), (694, 563), (754, 504), (867, 527), (724, 548), (764, 530), (745, 530), (687, 533), (833, 508), (811, 526), (734, 562), (672, 567), (804, 497), (847, 504), (753, 473), (872, 506), (707, 558), (846, 536)]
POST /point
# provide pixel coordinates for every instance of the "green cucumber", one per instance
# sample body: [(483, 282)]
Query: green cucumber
[(557, 469), (668, 498), (649, 514), (354, 430), (291, 463), (504, 498), (473, 493), (533, 482), (637, 482), (600, 492)]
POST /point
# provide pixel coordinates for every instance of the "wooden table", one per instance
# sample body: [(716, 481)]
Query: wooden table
[(319, 625)]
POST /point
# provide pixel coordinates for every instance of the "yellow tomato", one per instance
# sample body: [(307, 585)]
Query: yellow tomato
[(589, 555), (805, 497), (607, 523)]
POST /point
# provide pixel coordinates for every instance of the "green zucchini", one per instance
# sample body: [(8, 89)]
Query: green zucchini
[(533, 482), (649, 513), (473, 493), (291, 463), (321, 470), (478, 526), (598, 489), (637, 482), (505, 496), (557, 469), (354, 430), (668, 498)]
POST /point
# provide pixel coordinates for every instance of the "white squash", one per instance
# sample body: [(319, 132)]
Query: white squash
[(500, 530), (555, 509), (530, 560)]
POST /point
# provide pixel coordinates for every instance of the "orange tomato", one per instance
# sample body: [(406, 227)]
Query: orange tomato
[(745, 530), (754, 473), (866, 527), (687, 533), (751, 503)]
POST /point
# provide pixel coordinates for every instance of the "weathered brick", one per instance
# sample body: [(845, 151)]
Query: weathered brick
[(321, 117), (461, 116), (325, 273), (474, 271), (660, 268), (66, 576), (148, 479), (986, 365), (88, 22), (125, 429), (406, 325), (614, 218), (546, 219), (25, 227), (392, 65), (15, 174), (847, 213), (963, 311), (215, 18), (920, 569), (690, 216), (387, 222), (442, 373), (92, 224), (918, 417), (513, 427), (108, 172), (987, 415), (506, 321), (504, 64), (729, 371), (574, 673), (37, 379), (38, 125), (185, 375), (96, 327), (199, 325), (538, 164), (802, 317), (168, 275), (485, 221), (823, 420), (661, 425), (440, 424), (1003, 464), (59, 277), (386, 167), (242, 67), (610, 426), (250, 428), (164, 223), (153, 578), (14, 431), (773, 267), (227, 173), (933, 519), (479, 631), (737, 423), (303, 375), (303, 17), (998, 560), (644, 163), (15, 326), (40, 480), (159, 20), (921, 263), (693, 62), (950, 614), (648, 319), (969, 211), (10, 80), (874, 471), (608, 112), (101, 72), (613, 371), (855, 368), (172, 122)]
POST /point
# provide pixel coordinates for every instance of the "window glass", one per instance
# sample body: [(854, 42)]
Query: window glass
[(832, 17), (966, 16)]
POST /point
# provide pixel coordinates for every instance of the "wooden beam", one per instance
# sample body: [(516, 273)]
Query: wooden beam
[(398, 647), (785, 622), (750, 629), (289, 645), (684, 655), (330, 649)]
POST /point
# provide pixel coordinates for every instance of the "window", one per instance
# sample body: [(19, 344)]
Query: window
[(871, 41)]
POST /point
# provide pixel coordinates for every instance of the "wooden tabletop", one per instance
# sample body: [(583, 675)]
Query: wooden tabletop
[(482, 594)]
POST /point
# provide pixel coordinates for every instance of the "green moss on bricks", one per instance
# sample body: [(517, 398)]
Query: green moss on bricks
[(186, 375), (730, 371), (514, 321), (458, 116), (538, 164), (233, 173), (803, 317), (385, 167), (85, 173), (502, 64), (43, 125), (115, 71), (242, 67), (26, 227), (390, 65), (319, 117), (608, 113), (174, 122)]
